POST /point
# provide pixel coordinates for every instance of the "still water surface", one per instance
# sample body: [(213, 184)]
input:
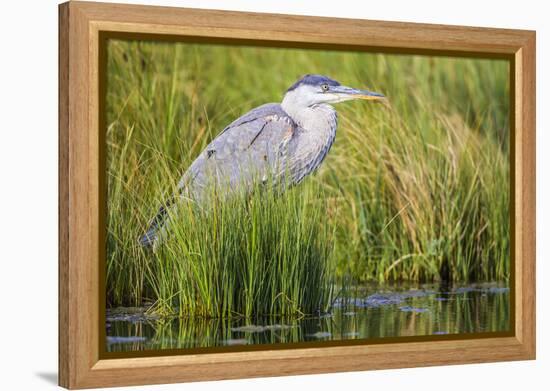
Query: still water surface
[(374, 312)]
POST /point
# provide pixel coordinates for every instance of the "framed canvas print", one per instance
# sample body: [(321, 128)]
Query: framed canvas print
[(247, 195)]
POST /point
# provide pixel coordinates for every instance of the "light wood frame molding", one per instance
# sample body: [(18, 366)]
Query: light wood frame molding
[(80, 25)]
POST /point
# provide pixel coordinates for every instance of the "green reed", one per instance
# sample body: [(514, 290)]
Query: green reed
[(246, 255)]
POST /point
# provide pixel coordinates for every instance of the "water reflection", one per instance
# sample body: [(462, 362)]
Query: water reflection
[(382, 311)]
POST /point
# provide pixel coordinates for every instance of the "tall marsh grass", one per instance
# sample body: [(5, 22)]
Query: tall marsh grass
[(414, 190), (262, 254)]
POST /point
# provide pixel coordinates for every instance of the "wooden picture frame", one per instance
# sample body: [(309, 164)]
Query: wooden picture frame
[(81, 25)]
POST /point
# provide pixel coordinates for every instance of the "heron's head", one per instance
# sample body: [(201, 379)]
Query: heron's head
[(316, 89)]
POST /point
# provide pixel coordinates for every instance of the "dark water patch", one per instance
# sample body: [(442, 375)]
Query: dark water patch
[(111, 340), (321, 335), (233, 342), (129, 314), (413, 309), (252, 328)]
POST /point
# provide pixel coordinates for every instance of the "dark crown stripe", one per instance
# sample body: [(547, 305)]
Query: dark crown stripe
[(313, 80)]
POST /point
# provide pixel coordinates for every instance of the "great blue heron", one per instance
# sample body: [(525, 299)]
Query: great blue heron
[(274, 140)]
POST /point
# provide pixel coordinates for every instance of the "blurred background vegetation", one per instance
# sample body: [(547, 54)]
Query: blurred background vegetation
[(416, 190)]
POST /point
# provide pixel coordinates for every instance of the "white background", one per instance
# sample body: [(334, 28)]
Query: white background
[(28, 194)]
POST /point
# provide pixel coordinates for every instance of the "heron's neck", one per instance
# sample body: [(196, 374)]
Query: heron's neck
[(317, 133), (321, 118)]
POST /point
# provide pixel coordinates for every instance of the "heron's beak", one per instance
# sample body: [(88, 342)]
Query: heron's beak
[(353, 93)]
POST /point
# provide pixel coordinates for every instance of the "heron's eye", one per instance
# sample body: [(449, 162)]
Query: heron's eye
[(324, 87)]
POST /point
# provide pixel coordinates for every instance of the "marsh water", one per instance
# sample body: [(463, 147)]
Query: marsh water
[(378, 311)]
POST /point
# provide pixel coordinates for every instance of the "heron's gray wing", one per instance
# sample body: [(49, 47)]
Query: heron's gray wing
[(245, 151)]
